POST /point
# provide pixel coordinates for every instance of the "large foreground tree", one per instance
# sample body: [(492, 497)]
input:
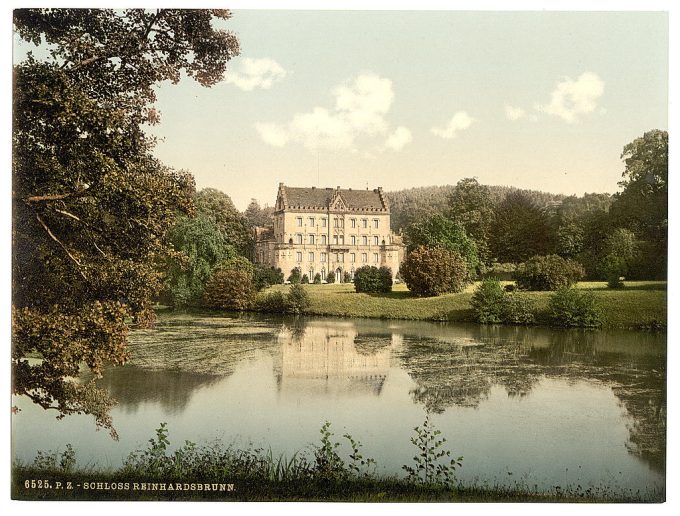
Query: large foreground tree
[(91, 203)]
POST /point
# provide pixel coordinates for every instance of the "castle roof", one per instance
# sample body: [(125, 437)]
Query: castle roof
[(322, 198)]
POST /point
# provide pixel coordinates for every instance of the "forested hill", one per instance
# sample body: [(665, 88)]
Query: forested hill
[(414, 203)]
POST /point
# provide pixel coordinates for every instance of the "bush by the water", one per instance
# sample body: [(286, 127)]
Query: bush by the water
[(491, 304), (487, 302), (230, 289), (570, 307), (434, 271), (298, 299), (548, 273), (271, 302), (373, 280)]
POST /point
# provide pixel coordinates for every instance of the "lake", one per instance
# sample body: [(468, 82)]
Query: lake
[(531, 406)]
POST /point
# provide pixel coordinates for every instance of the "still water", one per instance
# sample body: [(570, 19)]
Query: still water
[(533, 406)]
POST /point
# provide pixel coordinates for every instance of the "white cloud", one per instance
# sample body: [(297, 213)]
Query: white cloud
[(359, 109), (399, 138), (572, 98), (459, 122), (273, 134), (514, 113), (256, 73)]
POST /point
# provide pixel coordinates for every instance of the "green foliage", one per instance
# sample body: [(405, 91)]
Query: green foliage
[(346, 277), (492, 305), (330, 277), (265, 276), (257, 216), (548, 273), (570, 307), (372, 279), (569, 239), (271, 302), (432, 463), (327, 462), (202, 247), (521, 229), (92, 206), (487, 302), (230, 289), (438, 231), (317, 278), (472, 206), (305, 279), (297, 300), (295, 275), (219, 208), (53, 461), (432, 272)]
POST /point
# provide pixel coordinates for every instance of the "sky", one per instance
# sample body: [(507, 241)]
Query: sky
[(541, 100)]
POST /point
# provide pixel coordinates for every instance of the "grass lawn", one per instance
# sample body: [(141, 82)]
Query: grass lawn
[(640, 304)]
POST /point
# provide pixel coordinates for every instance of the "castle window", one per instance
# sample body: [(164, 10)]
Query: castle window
[(298, 257), (342, 239), (299, 222), (353, 222), (323, 257), (311, 239), (341, 257), (376, 223), (364, 257), (310, 257), (375, 240), (375, 257), (364, 223), (311, 221), (323, 222), (352, 257), (323, 239), (298, 238), (335, 222), (364, 240), (335, 239), (353, 239)]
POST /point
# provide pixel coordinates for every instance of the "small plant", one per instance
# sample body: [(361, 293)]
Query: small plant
[(297, 300), (518, 309), (359, 464), (570, 307), (317, 278), (272, 302), (305, 279), (346, 277), (487, 302), (327, 462), (433, 464), (373, 279), (295, 275), (330, 278), (52, 461), (230, 289)]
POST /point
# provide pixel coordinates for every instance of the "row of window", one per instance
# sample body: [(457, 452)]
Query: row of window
[(338, 257), (337, 240), (338, 222)]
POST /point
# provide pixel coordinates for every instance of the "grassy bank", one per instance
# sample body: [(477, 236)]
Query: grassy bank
[(639, 305), (327, 473)]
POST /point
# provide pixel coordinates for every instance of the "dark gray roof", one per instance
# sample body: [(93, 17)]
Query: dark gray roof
[(320, 198)]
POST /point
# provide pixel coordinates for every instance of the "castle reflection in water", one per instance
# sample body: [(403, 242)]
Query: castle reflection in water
[(328, 359)]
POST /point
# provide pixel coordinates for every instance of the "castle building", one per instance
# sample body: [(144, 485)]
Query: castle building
[(323, 229)]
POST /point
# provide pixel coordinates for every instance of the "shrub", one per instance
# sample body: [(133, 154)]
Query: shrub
[(295, 275), (331, 277), (434, 271), (305, 279), (614, 268), (297, 300), (346, 277), (373, 280), (230, 289), (317, 278), (570, 307), (487, 302), (265, 276), (518, 309), (550, 272), (272, 302)]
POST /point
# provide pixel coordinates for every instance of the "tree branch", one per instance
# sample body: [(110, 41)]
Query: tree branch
[(73, 258), (56, 197)]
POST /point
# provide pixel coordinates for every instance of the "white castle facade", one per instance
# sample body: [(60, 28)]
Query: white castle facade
[(323, 229)]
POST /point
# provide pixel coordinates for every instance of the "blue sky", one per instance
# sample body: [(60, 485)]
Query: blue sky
[(542, 100)]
